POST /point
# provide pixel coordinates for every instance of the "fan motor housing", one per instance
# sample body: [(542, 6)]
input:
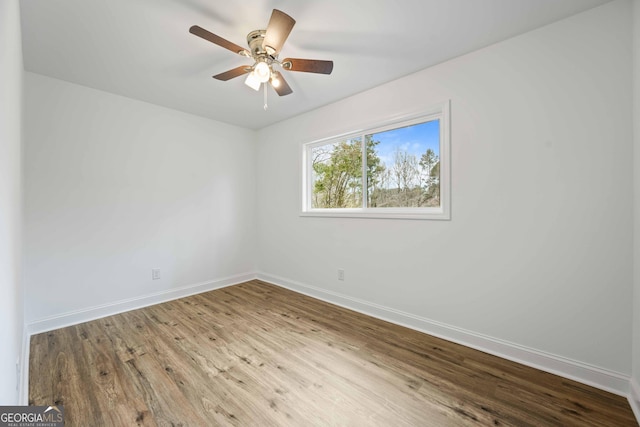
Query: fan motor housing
[(255, 40)]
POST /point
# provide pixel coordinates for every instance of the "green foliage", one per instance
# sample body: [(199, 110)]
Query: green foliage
[(374, 170), (338, 175), (431, 172)]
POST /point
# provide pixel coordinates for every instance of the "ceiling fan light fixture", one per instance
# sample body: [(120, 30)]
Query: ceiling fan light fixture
[(262, 72), (252, 81), (264, 48)]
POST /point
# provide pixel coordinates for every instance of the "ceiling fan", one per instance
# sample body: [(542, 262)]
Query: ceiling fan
[(264, 47)]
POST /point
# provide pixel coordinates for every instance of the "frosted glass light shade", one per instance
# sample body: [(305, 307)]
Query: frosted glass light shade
[(262, 72), (252, 81)]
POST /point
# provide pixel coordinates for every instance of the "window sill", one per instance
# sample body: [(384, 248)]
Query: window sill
[(391, 213)]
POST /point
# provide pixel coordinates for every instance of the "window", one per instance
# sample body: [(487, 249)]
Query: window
[(399, 169)]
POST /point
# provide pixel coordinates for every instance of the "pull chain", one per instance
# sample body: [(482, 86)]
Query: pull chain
[(265, 97)]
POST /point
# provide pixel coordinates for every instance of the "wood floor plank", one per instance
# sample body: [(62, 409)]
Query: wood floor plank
[(258, 354)]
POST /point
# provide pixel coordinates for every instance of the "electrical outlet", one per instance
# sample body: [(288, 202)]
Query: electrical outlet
[(341, 274), (155, 274)]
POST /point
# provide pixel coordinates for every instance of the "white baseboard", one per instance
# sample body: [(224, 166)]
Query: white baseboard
[(634, 398), (604, 379), (23, 388), (104, 310)]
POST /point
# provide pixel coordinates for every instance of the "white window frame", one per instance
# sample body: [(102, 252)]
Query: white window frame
[(443, 212)]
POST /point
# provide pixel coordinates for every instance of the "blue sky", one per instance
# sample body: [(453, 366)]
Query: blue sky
[(414, 139)]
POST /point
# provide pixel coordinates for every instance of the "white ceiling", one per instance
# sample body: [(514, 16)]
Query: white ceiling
[(142, 49)]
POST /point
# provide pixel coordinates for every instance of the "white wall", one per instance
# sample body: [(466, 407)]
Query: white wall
[(11, 303), (116, 187), (539, 251), (636, 138)]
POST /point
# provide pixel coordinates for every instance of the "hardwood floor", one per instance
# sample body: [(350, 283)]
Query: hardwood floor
[(255, 354)]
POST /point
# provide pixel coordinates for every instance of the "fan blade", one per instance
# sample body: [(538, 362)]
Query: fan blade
[(280, 25), (202, 33), (308, 65), (228, 75), (283, 87)]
